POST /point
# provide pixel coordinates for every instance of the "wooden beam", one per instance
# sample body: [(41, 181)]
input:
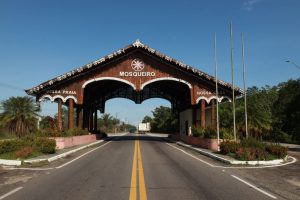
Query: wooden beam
[(90, 118), (95, 120), (213, 114), (202, 110), (71, 114), (80, 118), (85, 116), (59, 114), (194, 116)]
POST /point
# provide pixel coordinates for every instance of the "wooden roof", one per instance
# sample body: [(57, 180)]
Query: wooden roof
[(108, 58)]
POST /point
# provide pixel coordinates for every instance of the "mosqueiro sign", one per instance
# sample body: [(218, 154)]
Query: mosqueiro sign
[(137, 65), (137, 73)]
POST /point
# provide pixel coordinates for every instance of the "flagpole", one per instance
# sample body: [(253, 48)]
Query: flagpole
[(217, 92), (232, 81), (244, 80)]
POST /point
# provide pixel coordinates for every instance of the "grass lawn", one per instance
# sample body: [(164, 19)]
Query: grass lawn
[(12, 155), (4, 135)]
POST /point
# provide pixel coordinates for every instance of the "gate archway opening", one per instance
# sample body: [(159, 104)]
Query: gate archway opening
[(129, 114), (97, 93)]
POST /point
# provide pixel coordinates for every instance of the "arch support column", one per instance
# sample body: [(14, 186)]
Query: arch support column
[(213, 114), (59, 114), (202, 110), (91, 119), (71, 114), (95, 120), (79, 117), (85, 117), (195, 116)]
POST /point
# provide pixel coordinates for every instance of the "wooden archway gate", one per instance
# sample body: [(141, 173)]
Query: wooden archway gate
[(136, 72)]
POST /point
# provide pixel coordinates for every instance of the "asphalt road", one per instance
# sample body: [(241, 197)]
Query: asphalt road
[(126, 169)]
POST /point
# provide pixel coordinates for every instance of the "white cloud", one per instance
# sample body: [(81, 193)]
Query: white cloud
[(249, 4)]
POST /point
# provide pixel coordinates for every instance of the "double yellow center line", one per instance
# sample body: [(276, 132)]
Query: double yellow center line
[(137, 172)]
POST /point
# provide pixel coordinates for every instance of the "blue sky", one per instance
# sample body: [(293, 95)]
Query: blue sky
[(41, 39)]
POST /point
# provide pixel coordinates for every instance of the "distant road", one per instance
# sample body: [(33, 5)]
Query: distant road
[(138, 167)]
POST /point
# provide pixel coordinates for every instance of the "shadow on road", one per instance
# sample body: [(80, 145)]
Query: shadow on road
[(294, 149), (138, 137)]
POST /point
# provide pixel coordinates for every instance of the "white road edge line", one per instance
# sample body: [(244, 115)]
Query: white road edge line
[(63, 165), (254, 187), (191, 155), (11, 192)]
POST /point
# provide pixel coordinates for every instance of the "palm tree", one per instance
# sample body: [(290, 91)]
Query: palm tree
[(107, 121), (115, 123), (19, 115)]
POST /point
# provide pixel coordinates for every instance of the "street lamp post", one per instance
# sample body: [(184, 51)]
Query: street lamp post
[(290, 61)]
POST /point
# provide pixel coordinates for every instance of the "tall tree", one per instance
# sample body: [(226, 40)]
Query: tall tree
[(147, 119), (64, 116), (286, 111), (164, 120), (48, 122), (106, 121), (260, 106), (19, 115)]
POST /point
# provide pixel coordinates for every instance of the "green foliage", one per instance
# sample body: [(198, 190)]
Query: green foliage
[(75, 132), (225, 114), (48, 122), (204, 133), (106, 122), (210, 133), (19, 115), (252, 149), (277, 150), (287, 110), (109, 124), (228, 147), (281, 136), (48, 133), (45, 145), (273, 112), (19, 147), (248, 153), (260, 103), (6, 135), (252, 142), (226, 134), (25, 152), (64, 116), (164, 120), (10, 145), (147, 119), (124, 127), (198, 131), (56, 133)]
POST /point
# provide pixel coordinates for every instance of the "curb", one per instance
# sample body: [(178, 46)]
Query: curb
[(232, 162), (10, 162), (51, 159), (63, 154)]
